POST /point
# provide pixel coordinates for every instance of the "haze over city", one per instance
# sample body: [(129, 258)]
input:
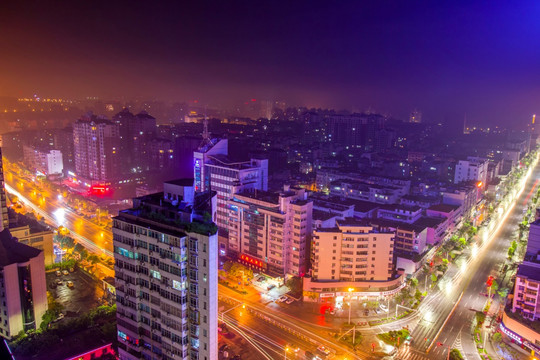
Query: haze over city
[(305, 180), (474, 59)]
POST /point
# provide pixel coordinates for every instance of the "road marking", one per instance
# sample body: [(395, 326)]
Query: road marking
[(445, 321)]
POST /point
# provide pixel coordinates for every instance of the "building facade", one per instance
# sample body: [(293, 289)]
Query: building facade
[(96, 148), (271, 231), (472, 169), (23, 295), (527, 291), (166, 278)]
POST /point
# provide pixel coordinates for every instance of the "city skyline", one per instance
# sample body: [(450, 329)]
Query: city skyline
[(448, 61)]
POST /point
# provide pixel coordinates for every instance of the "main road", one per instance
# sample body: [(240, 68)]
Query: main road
[(92, 236), (444, 320)]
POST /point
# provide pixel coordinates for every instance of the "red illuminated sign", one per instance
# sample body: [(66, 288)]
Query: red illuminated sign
[(100, 190), (251, 261)]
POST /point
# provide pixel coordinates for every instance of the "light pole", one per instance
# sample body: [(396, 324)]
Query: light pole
[(350, 303), (286, 350)]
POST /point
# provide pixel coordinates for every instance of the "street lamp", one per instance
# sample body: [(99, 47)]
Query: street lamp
[(350, 304), (286, 350)]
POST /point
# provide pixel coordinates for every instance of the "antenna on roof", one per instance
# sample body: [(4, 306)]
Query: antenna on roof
[(205, 134)]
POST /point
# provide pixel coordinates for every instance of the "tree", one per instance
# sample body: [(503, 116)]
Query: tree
[(497, 338), (433, 277), (445, 261), (503, 292), (295, 284), (494, 286), (413, 282), (455, 355), (463, 241)]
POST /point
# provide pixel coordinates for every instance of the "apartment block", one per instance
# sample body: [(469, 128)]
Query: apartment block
[(166, 265), (352, 252), (271, 231), (213, 170), (527, 291), (96, 148), (472, 169)]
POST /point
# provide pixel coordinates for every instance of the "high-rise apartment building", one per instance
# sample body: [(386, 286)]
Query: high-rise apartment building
[(136, 132), (166, 265), (352, 252), (23, 294), (215, 171), (96, 142), (271, 231)]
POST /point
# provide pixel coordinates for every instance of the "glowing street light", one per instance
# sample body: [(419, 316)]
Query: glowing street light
[(350, 304)]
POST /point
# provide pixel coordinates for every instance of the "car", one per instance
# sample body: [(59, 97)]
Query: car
[(383, 307), (289, 301), (366, 312), (324, 350), (224, 347), (282, 298), (59, 282), (65, 272), (270, 287), (58, 273), (70, 284), (408, 340), (261, 279), (332, 312), (71, 269)]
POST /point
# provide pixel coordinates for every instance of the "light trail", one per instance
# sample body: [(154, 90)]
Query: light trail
[(87, 243)]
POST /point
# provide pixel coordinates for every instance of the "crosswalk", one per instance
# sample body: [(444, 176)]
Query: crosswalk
[(406, 353)]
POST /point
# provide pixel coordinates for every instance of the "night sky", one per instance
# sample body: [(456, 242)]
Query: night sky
[(446, 58)]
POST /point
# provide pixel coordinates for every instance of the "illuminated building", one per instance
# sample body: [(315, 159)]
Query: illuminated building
[(527, 291), (415, 116), (45, 162), (352, 255), (96, 145), (271, 232), (213, 170), (23, 299), (473, 169), (4, 218), (166, 266), (42, 240)]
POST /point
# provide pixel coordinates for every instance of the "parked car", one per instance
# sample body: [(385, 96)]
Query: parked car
[(70, 284), (59, 282), (58, 273), (65, 272), (261, 279), (270, 287), (71, 269), (282, 298), (289, 301)]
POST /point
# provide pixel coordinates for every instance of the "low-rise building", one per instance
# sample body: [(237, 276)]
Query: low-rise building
[(527, 291), (42, 240)]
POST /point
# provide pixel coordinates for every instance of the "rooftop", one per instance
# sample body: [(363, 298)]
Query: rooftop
[(322, 215), (12, 251), (181, 182), (444, 207), (529, 271)]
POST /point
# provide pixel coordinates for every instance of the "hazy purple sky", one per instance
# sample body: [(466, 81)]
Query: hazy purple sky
[(446, 58)]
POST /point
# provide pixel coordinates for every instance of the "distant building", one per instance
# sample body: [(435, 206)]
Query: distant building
[(415, 117), (271, 232), (96, 148), (4, 217), (23, 299), (45, 162), (166, 264), (472, 169)]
